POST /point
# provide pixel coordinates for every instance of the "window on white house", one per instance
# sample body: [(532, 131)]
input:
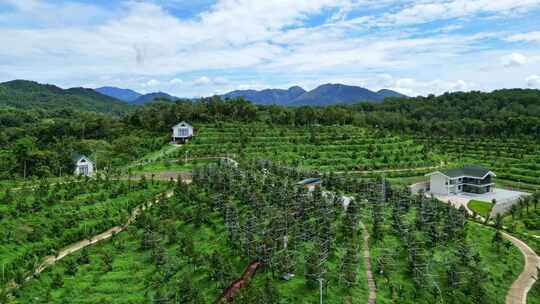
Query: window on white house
[(83, 170)]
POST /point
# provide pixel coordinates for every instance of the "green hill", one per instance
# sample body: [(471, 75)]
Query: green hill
[(26, 94)]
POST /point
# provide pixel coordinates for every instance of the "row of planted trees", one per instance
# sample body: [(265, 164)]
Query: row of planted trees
[(38, 221)]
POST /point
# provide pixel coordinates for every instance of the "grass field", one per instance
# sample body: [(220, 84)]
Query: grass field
[(480, 207), (170, 165)]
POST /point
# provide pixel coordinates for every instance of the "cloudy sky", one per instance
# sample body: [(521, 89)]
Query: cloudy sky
[(201, 47)]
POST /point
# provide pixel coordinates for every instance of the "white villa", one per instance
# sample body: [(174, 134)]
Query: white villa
[(83, 165), (469, 179), (182, 132)]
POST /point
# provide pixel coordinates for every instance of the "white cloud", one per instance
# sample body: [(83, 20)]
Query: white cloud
[(527, 37), (176, 81), (514, 60), (207, 81), (533, 81), (415, 87), (202, 81), (428, 11), (261, 40), (151, 83)]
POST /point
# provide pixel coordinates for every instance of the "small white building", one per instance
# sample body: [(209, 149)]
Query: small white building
[(469, 179), (83, 165), (182, 132), (310, 183)]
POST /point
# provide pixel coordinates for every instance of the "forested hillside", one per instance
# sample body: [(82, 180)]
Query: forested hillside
[(29, 95), (41, 125), (501, 113)]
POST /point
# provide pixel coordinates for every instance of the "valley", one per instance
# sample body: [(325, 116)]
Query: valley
[(258, 204)]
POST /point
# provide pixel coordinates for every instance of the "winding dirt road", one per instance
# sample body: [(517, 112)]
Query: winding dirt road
[(51, 260)]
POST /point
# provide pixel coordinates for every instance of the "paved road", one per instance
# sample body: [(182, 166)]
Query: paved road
[(518, 292), (521, 286), (455, 201)]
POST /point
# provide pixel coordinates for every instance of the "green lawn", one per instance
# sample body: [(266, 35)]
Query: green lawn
[(480, 207), (534, 294), (162, 166)]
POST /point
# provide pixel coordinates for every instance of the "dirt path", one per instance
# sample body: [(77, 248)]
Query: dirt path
[(518, 292), (389, 170), (154, 157), (51, 260), (367, 265), (165, 175)]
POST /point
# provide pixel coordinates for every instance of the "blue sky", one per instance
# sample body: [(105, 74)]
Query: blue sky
[(204, 47)]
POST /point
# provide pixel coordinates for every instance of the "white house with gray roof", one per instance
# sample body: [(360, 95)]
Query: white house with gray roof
[(469, 179), (182, 132), (83, 165)]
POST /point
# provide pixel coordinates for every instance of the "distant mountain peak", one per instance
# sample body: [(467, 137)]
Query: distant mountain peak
[(328, 93), (151, 96), (131, 96), (390, 93), (268, 96), (126, 95)]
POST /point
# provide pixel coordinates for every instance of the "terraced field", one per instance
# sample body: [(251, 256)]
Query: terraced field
[(515, 161), (325, 148)]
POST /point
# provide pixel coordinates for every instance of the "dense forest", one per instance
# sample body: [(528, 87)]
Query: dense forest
[(42, 125), (29, 95)]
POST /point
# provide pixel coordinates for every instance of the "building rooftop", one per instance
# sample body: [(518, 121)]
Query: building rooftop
[(473, 171), (310, 181), (183, 122), (77, 156)]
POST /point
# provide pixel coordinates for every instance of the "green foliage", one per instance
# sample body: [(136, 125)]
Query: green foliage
[(50, 216), (31, 95), (480, 207)]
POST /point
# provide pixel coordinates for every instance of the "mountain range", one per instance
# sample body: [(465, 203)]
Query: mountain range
[(295, 96), (322, 95), (131, 96)]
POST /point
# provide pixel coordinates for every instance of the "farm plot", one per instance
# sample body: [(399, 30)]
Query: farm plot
[(425, 251), (191, 248), (185, 251), (328, 148), (38, 221)]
